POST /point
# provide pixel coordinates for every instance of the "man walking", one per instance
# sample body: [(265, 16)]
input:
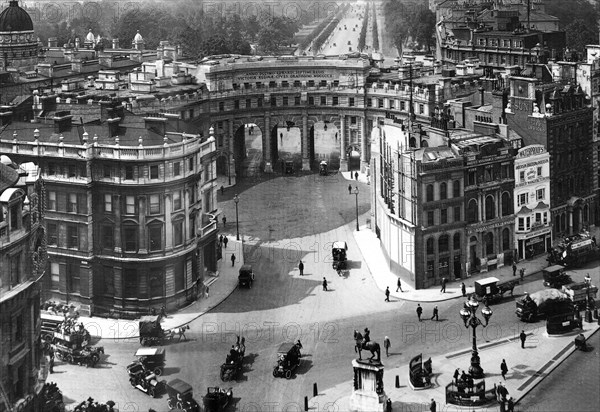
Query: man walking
[(324, 284), (221, 240), (232, 260), (522, 273), (435, 313), (433, 406), (463, 289), (419, 311), (456, 375), (514, 267), (399, 286), (523, 336), (301, 268), (224, 221), (387, 294), (349, 189), (504, 369), (443, 285), (225, 240), (387, 344), (356, 175)]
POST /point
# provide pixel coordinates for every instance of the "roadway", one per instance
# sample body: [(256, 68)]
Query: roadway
[(283, 220)]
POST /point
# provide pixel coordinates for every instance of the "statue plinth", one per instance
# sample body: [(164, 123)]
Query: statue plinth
[(368, 393)]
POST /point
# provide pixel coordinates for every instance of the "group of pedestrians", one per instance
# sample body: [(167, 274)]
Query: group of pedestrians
[(435, 314)]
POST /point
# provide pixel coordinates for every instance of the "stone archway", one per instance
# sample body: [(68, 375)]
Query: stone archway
[(353, 156), (287, 141), (324, 141), (248, 149)]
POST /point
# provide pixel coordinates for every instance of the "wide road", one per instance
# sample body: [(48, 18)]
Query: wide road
[(344, 38), (283, 220)]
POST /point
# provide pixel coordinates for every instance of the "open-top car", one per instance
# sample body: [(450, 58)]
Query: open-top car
[(288, 359), (217, 399), (143, 379), (181, 396), (152, 359)]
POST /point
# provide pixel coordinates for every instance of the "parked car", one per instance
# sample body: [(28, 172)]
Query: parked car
[(246, 276)]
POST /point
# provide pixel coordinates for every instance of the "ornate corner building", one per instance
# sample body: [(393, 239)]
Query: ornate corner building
[(18, 42)]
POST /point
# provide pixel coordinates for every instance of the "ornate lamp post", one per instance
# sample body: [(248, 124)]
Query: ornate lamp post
[(355, 191), (469, 316), (236, 199)]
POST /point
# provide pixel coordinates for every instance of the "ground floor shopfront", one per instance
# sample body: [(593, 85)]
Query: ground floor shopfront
[(534, 243)]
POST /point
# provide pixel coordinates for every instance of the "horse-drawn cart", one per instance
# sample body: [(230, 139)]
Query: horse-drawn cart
[(491, 290), (288, 359), (73, 348), (234, 362)]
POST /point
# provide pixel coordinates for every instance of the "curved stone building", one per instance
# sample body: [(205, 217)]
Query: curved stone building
[(18, 42)]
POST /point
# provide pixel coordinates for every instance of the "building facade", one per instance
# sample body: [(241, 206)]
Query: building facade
[(533, 224), (129, 202), (18, 43), (22, 265)]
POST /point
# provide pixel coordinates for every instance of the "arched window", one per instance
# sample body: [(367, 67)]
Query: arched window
[(430, 246), (490, 210), (505, 239), (456, 241), (505, 204), (429, 193), (443, 191), (443, 244), (456, 188), (488, 241), (472, 212)]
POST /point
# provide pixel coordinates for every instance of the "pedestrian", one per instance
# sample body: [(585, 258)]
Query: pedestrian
[(225, 240), (387, 294), (232, 260), (510, 405), (514, 267), (399, 285), (522, 273), (349, 189), (206, 292), (433, 406), (456, 375), (523, 336), (182, 332), (51, 361), (504, 369), (463, 289), (435, 313), (324, 284), (224, 221), (163, 311), (387, 344), (301, 268), (419, 311), (443, 290), (222, 189)]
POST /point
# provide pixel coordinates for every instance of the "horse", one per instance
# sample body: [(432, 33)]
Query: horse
[(373, 347)]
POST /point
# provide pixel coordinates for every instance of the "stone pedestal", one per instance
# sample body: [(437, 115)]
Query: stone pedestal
[(368, 394)]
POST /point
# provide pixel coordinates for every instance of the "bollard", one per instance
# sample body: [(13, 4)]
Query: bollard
[(315, 391), (397, 381), (306, 404)]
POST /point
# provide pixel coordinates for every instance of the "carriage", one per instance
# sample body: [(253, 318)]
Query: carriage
[(152, 359), (288, 359), (181, 396), (217, 399), (338, 252), (491, 290), (233, 363), (144, 379), (323, 168), (152, 333)]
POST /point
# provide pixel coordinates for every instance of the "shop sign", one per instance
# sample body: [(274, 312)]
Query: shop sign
[(531, 150), (534, 240)]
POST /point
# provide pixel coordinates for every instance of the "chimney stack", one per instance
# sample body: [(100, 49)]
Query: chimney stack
[(62, 121), (115, 44)]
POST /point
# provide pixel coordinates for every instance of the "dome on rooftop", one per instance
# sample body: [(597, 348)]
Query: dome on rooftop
[(90, 36), (14, 18), (138, 37)]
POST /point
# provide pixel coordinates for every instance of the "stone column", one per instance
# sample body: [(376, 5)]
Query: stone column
[(168, 225), (267, 144), (230, 143), (142, 227), (305, 153), (570, 215), (364, 161), (343, 160), (117, 234)]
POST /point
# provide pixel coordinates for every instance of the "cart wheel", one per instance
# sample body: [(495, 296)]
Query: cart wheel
[(180, 405), (275, 372), (158, 371), (171, 403), (288, 374)]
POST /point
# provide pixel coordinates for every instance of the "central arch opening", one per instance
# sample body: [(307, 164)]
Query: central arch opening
[(248, 150), (324, 145)]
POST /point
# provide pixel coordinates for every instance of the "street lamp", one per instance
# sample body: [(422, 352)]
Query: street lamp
[(236, 199), (469, 317), (355, 191)]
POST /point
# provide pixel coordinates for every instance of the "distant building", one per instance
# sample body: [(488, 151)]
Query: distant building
[(22, 265), (18, 42)]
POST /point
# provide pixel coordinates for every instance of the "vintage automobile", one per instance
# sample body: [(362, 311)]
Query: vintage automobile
[(152, 359), (338, 252), (144, 379), (217, 399), (323, 168), (555, 276), (234, 361), (289, 167), (288, 359), (181, 396), (491, 290), (151, 332), (246, 276)]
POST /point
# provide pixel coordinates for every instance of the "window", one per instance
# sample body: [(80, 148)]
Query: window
[(72, 203), (380, 103), (421, 109), (178, 232), (259, 102), (130, 283), (130, 238), (351, 102), (192, 225), (430, 246), (521, 224), (444, 216), (154, 204), (107, 171), (155, 282), (323, 100), (490, 208), (482, 42), (505, 239), (285, 83), (489, 174), (488, 241), (128, 172), (55, 275), (443, 242), (456, 241), (108, 237), (505, 204), (540, 194), (236, 104), (430, 220), (272, 84), (472, 211), (179, 275), (176, 168), (297, 100), (177, 200), (155, 237), (273, 101), (443, 191), (51, 200), (108, 203), (311, 83), (72, 172), (52, 234), (522, 176), (72, 237), (402, 105), (18, 328), (456, 188), (222, 106), (311, 100), (248, 103), (51, 169), (457, 216), (130, 205), (523, 199), (154, 172), (335, 101), (539, 171), (506, 43), (538, 218), (429, 193), (323, 83), (15, 269), (472, 177), (352, 119), (285, 100)]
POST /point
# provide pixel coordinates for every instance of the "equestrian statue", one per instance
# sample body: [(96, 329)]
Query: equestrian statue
[(364, 342)]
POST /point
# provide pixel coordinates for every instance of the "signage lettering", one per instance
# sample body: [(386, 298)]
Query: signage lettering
[(531, 150), (539, 162), (284, 74)]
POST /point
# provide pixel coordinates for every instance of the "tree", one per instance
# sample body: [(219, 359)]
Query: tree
[(579, 35)]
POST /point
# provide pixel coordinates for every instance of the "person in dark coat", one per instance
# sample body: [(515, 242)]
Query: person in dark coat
[(504, 368), (387, 294), (324, 284), (301, 268), (349, 189), (435, 313), (356, 175), (514, 268), (399, 285), (224, 221), (523, 337), (419, 311), (456, 375), (433, 406), (463, 289), (232, 260)]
